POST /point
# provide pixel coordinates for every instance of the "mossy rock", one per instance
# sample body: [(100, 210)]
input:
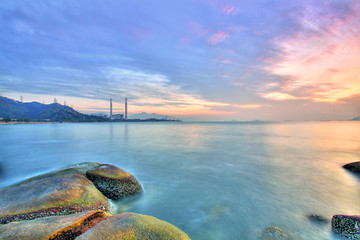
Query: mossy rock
[(353, 167), (54, 195), (54, 227), (346, 226), (274, 233), (114, 182), (134, 226)]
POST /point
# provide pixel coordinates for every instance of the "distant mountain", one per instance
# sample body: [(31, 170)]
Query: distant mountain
[(145, 115), (356, 119), (54, 112)]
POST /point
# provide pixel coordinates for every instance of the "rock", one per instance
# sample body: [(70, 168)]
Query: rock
[(54, 195), (114, 182), (353, 167), (347, 226), (54, 227), (133, 226), (274, 233), (80, 168), (318, 219)]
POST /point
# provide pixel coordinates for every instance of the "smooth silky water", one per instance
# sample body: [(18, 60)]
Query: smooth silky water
[(212, 180)]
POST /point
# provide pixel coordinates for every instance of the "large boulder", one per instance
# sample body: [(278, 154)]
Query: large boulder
[(54, 227), (353, 167), (346, 226), (114, 182), (133, 226), (54, 195)]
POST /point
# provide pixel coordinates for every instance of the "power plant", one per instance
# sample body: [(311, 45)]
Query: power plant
[(110, 108), (118, 116), (126, 108)]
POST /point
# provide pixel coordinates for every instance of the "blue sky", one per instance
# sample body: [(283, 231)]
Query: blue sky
[(205, 60)]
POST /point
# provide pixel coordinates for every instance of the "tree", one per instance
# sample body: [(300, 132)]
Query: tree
[(6, 119)]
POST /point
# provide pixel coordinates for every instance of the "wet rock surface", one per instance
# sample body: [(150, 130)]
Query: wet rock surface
[(54, 227), (134, 226), (353, 167), (54, 195), (346, 226), (114, 182)]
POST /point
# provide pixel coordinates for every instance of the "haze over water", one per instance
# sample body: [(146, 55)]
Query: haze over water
[(212, 180)]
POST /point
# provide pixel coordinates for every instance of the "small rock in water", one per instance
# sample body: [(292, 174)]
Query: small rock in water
[(347, 226), (353, 167), (318, 219), (274, 233), (114, 182)]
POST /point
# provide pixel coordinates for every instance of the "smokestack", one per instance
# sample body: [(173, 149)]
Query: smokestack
[(110, 108), (125, 108)]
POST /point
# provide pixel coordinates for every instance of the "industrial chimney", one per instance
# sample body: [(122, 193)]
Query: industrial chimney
[(125, 108), (110, 108)]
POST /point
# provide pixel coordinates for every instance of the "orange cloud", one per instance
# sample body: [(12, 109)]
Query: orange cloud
[(322, 65)]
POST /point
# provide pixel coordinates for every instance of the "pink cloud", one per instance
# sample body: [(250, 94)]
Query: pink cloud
[(218, 37), (230, 10), (226, 61)]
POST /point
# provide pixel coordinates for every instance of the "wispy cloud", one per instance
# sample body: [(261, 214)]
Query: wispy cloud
[(218, 37), (230, 10)]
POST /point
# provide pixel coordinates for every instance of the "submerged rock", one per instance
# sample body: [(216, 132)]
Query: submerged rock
[(54, 195), (274, 233), (54, 227), (353, 167), (318, 219), (114, 182), (134, 226), (347, 226)]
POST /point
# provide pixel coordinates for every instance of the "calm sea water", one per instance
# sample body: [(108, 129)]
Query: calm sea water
[(212, 180)]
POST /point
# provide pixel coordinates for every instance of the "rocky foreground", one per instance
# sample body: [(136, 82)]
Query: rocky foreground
[(73, 203)]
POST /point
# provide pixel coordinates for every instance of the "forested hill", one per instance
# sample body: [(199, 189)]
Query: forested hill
[(35, 111)]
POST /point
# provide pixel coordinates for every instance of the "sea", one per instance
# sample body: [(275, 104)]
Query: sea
[(225, 180)]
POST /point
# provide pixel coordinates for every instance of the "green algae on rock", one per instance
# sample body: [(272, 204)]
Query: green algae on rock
[(134, 226), (54, 195), (114, 182), (54, 227), (346, 226)]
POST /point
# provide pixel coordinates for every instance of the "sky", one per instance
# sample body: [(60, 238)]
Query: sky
[(193, 59)]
